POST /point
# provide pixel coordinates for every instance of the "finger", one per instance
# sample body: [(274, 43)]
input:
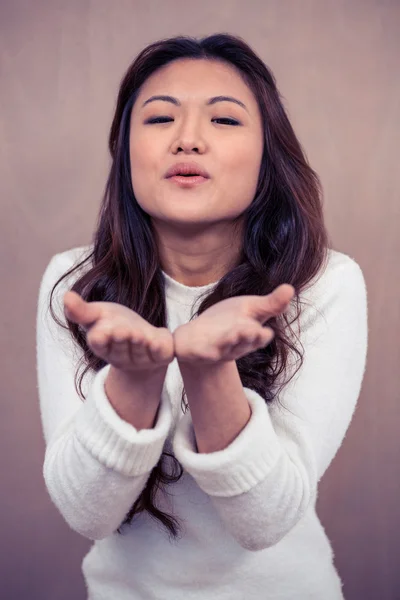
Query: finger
[(155, 349), (281, 297), (273, 304), (126, 346), (78, 310), (126, 351), (255, 340), (100, 338), (121, 333), (137, 340), (266, 336), (285, 291), (161, 347), (121, 353)]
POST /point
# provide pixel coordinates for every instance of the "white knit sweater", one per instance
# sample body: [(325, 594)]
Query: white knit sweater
[(250, 530)]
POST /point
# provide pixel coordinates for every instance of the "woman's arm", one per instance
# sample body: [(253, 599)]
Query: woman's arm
[(96, 462), (135, 397), (262, 483)]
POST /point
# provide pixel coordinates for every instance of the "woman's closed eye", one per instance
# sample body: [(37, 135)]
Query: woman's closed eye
[(227, 121)]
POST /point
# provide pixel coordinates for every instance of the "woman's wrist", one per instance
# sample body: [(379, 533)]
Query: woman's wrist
[(135, 395)]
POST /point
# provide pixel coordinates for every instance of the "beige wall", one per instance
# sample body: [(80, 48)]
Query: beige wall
[(337, 66)]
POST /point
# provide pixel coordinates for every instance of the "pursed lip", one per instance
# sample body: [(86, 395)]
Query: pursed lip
[(187, 168)]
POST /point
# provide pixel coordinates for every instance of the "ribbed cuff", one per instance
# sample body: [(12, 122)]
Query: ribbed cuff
[(241, 465), (116, 443)]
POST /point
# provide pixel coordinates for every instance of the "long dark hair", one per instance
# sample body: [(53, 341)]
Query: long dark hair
[(284, 240)]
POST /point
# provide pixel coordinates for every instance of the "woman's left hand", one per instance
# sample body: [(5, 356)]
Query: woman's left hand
[(231, 328)]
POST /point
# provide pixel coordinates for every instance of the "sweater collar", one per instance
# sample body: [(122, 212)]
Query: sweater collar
[(184, 294)]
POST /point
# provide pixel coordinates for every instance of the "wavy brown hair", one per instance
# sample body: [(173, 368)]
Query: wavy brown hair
[(284, 237)]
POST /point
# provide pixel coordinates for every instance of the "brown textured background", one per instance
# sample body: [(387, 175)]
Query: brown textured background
[(337, 65)]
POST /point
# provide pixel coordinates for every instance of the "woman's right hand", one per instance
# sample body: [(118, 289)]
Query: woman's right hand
[(120, 336)]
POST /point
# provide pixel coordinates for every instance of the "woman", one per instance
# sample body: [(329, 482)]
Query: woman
[(210, 278)]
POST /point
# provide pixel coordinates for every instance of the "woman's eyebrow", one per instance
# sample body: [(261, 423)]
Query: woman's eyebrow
[(212, 100)]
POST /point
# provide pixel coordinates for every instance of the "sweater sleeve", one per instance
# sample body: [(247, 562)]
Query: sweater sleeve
[(262, 483), (96, 464)]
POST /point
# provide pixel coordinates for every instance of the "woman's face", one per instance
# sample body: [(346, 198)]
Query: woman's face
[(225, 138)]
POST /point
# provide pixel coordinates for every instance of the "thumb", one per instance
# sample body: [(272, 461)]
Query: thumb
[(273, 304), (281, 296), (79, 311)]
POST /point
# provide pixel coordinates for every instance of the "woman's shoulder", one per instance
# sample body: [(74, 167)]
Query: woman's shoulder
[(343, 262), (72, 256), (340, 271), (59, 264), (339, 286)]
